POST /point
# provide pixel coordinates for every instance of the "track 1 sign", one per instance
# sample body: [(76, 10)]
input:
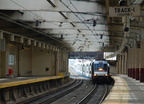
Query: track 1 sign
[(124, 11)]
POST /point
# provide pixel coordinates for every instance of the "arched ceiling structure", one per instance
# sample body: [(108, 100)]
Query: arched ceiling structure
[(76, 25)]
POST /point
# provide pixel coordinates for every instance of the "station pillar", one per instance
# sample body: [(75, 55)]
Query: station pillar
[(122, 63), (119, 65), (129, 62), (141, 70), (4, 62), (125, 63), (137, 60), (133, 61)]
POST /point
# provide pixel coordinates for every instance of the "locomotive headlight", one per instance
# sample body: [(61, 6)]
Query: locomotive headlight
[(106, 74), (95, 74), (100, 69)]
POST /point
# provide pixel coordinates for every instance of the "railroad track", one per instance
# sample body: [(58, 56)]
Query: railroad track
[(60, 94), (77, 94), (96, 95), (52, 95), (106, 91), (83, 92), (92, 95), (88, 96), (100, 95)]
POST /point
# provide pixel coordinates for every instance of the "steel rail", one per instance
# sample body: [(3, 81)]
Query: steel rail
[(86, 98), (105, 94), (59, 95), (46, 93)]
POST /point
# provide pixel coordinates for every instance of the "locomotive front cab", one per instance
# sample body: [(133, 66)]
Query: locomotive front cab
[(100, 68), (100, 71)]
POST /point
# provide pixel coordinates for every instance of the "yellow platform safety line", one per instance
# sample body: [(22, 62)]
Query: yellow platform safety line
[(119, 94), (28, 81)]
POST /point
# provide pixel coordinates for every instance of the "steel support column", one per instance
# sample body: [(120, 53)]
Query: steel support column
[(125, 63), (129, 62), (141, 70), (122, 61), (137, 59), (133, 62)]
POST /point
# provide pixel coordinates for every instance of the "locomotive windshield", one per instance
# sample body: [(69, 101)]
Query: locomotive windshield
[(101, 65)]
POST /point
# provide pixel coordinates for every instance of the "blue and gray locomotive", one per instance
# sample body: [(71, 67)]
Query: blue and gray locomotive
[(100, 71)]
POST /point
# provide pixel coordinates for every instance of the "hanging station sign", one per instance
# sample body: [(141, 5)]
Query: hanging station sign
[(124, 11)]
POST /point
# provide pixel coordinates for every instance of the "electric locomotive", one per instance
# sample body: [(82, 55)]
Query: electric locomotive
[(100, 71)]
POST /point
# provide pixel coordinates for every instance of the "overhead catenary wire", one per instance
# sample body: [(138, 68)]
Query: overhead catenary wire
[(79, 18), (8, 18), (94, 21), (41, 19), (56, 24)]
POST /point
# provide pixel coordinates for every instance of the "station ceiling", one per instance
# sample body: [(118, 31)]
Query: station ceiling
[(76, 25)]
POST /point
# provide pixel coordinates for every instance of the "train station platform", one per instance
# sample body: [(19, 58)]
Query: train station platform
[(18, 89), (125, 91), (10, 82)]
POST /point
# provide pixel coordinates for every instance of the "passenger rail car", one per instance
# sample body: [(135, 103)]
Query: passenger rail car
[(100, 71)]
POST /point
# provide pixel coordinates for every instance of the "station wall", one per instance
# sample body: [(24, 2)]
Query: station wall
[(30, 60), (25, 62), (43, 62), (12, 55)]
